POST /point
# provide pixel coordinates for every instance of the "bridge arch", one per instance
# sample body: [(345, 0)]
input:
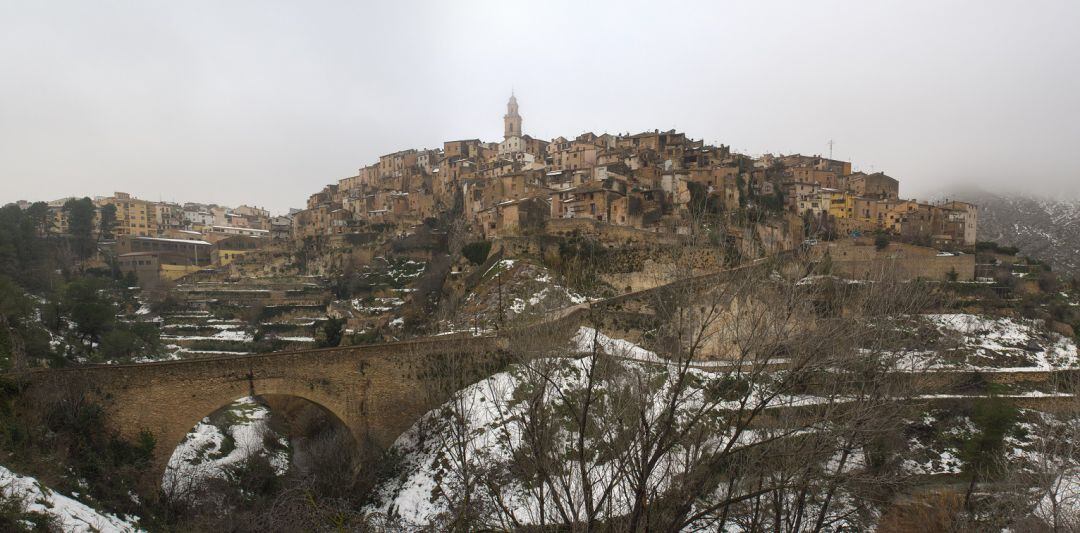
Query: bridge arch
[(316, 437), (174, 410)]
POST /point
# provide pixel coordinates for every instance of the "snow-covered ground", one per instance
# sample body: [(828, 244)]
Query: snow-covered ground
[(934, 443), (418, 497), (376, 306), (586, 339), (235, 335), (935, 450), (488, 417), (67, 513), (210, 449), (975, 342), (492, 432), (296, 339), (513, 291), (550, 291)]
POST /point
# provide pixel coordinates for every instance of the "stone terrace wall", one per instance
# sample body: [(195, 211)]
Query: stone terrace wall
[(608, 233), (632, 259), (860, 260)]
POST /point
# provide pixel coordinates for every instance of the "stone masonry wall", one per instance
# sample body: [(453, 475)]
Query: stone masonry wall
[(862, 260)]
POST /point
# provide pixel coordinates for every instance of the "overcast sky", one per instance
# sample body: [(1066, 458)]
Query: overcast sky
[(265, 102)]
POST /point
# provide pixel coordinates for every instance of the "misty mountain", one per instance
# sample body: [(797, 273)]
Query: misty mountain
[(1044, 228)]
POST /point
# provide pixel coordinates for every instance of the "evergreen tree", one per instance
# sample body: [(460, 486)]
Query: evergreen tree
[(39, 218), (24, 257), (881, 242), (108, 222), (15, 309), (984, 452), (88, 306), (80, 215), (331, 336)]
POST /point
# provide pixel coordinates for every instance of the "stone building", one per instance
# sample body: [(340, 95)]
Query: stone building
[(587, 201), (235, 247), (195, 252), (876, 185), (513, 217)]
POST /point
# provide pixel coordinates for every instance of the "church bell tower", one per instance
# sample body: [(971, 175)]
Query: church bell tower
[(512, 120)]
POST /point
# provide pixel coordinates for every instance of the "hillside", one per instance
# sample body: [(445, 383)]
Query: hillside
[(1047, 228), (483, 430)]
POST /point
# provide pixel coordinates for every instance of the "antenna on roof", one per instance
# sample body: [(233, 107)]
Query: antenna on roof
[(830, 148)]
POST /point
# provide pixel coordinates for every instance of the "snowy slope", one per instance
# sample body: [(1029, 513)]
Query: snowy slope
[(419, 496), (1061, 503), (962, 341), (69, 514), (491, 414), (522, 291), (210, 449), (431, 467)]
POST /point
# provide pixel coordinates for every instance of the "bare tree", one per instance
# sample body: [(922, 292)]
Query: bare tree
[(1056, 458), (768, 399)]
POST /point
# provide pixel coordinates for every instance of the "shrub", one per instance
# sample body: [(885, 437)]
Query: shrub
[(364, 337), (936, 511), (331, 333), (990, 246), (119, 344), (164, 302), (881, 242), (476, 252), (1049, 283)]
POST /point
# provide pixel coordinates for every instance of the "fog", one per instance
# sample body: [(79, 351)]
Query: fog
[(263, 103)]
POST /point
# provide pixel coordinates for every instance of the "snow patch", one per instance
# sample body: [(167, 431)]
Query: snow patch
[(72, 515)]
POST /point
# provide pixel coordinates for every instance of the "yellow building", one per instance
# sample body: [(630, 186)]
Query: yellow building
[(840, 204), (133, 216), (235, 247), (224, 257), (175, 272)]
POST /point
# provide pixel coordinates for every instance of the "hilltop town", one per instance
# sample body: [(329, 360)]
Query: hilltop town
[(654, 181), (611, 186)]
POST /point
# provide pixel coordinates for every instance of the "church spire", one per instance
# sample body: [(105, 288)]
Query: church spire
[(512, 120)]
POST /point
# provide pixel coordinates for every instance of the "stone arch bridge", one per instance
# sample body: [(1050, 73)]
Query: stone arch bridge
[(377, 391)]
